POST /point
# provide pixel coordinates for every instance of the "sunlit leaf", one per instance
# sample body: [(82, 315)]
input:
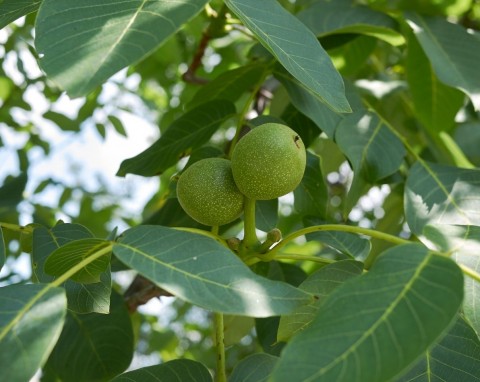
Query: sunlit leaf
[(202, 271), (254, 368), (190, 131), (322, 18), (82, 298), (10, 10), (438, 194), (455, 358), (67, 256), (31, 319), (81, 44), (320, 283), (374, 326), (352, 56), (295, 47), (452, 51), (94, 346), (179, 370)]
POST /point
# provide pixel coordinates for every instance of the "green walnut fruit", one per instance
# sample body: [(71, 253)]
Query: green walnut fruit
[(268, 162), (207, 192)]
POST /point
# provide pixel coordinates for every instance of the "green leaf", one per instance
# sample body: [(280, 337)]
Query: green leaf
[(306, 102), (266, 330), (94, 347), (351, 57), (10, 10), (347, 243), (266, 214), (190, 131), (311, 196), (82, 298), (178, 370), (322, 18), (230, 85), (31, 319), (320, 283), (254, 368), (463, 242), (117, 125), (374, 326), (62, 121), (455, 358), (204, 272), (235, 328), (374, 151), (11, 193), (467, 136), (295, 47), (436, 104), (67, 256), (438, 194), (82, 44), (3, 252), (304, 126), (452, 52)]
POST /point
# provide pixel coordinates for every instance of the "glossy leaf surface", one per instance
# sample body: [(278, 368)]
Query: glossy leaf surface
[(295, 47), (202, 271), (31, 319), (352, 337)]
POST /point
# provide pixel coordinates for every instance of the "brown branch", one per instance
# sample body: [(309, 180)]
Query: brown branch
[(140, 291), (189, 75)]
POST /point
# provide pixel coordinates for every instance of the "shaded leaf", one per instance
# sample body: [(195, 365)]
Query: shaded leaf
[(455, 358), (322, 18), (178, 370), (171, 214), (67, 256), (254, 368), (82, 298), (79, 52), (62, 121), (347, 243), (452, 52), (94, 347), (266, 214), (463, 242), (320, 283), (311, 195), (204, 272), (436, 104), (11, 193), (373, 150), (117, 125), (306, 102), (295, 47), (10, 10), (467, 136), (304, 126), (190, 131), (369, 329), (230, 85), (3, 253), (31, 319), (438, 194), (236, 327), (266, 330), (351, 57)]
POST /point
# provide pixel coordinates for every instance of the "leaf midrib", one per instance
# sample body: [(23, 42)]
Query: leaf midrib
[(376, 324)]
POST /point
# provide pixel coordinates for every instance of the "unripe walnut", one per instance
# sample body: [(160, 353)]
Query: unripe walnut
[(268, 162), (207, 192)]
